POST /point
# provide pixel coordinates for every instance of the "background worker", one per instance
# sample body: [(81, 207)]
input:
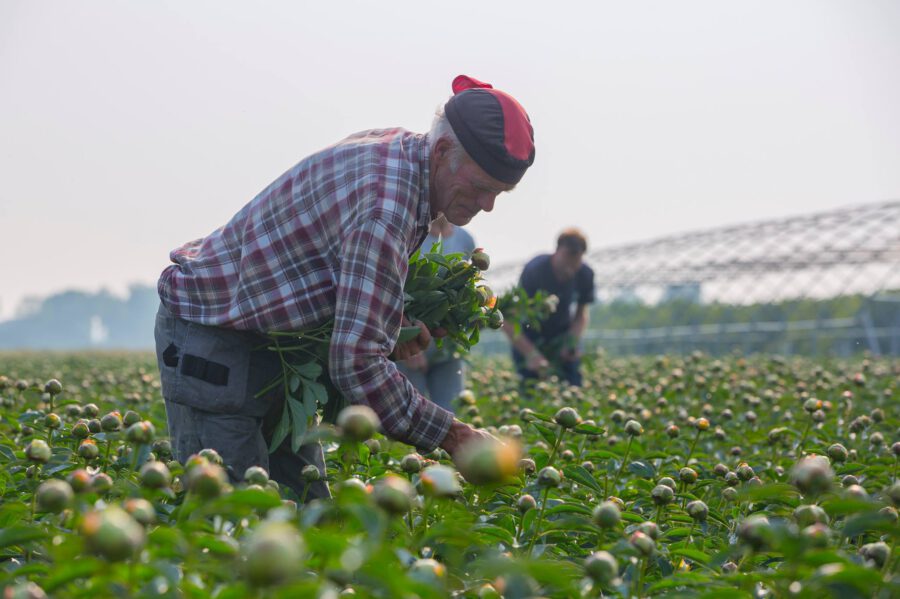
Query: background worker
[(556, 347)]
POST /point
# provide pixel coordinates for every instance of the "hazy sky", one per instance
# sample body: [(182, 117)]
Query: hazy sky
[(128, 128)]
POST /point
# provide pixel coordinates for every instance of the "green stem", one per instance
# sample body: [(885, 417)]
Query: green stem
[(639, 579), (559, 437), (537, 524), (803, 439), (425, 511), (183, 511), (518, 530), (693, 446), (622, 467), (744, 557), (134, 458), (106, 457), (306, 487)]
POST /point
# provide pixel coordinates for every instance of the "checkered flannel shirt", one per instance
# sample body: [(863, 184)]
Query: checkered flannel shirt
[(329, 238)]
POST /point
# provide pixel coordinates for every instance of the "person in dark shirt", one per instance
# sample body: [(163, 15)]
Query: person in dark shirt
[(555, 347)]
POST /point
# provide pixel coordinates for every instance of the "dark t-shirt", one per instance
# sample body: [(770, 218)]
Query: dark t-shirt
[(538, 275)]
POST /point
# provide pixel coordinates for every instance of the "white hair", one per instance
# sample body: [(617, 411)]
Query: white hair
[(441, 129)]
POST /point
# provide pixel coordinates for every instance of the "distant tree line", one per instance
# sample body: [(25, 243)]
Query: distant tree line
[(635, 315), (79, 320)]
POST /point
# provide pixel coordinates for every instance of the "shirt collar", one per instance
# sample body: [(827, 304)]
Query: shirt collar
[(423, 215)]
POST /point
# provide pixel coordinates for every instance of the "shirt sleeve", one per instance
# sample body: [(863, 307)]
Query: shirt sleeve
[(368, 314), (586, 286)]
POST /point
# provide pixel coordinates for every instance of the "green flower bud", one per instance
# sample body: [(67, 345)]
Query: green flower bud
[(256, 475), (525, 503), (392, 493), (662, 495), (54, 496), (88, 450), (111, 422), (141, 510), (358, 422), (273, 554), (311, 473), (38, 451), (567, 418), (601, 567), (697, 510), (113, 534), (155, 475), (687, 475), (643, 543), (607, 515), (549, 477), (633, 428)]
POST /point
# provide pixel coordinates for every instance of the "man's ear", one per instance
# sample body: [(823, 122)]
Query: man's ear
[(440, 151)]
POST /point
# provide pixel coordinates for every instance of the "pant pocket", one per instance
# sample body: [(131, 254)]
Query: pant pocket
[(212, 369)]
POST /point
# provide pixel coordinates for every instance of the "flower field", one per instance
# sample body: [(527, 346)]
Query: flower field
[(671, 476)]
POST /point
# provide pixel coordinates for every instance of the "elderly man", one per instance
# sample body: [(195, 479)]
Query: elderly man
[(329, 238), (555, 347)]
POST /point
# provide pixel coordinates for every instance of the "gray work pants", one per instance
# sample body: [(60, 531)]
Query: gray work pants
[(210, 376)]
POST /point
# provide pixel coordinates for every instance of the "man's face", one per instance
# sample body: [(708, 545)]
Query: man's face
[(463, 193), (566, 263)]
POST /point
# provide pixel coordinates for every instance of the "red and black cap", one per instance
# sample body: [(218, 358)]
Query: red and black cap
[(492, 127)]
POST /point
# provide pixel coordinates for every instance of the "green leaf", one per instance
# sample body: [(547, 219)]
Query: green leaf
[(686, 579), (318, 392), (7, 453), (694, 555), (217, 545), (495, 532), (408, 334), (249, 498), (569, 508), (294, 383), (587, 429), (439, 258), (642, 469), (860, 523), (18, 534), (774, 493), (677, 533), (580, 475), (282, 430), (68, 571), (298, 422), (309, 370), (547, 433)]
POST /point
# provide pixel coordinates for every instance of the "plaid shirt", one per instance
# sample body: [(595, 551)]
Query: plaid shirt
[(329, 238)]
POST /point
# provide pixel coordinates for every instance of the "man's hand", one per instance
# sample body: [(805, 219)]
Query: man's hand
[(404, 351), (459, 435)]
